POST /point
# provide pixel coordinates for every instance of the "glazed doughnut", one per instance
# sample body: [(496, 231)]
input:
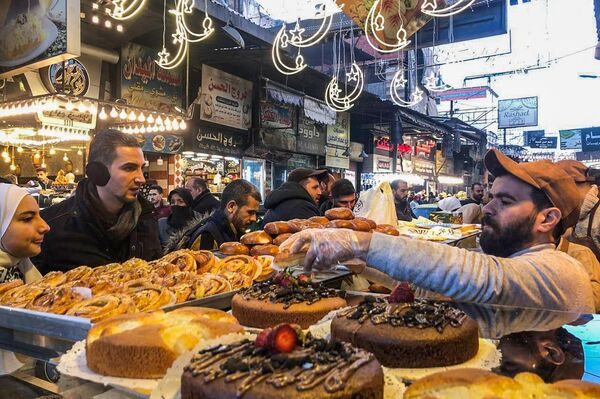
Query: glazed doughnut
[(322, 220), (205, 261), (100, 307), (339, 214), (79, 273), (259, 237), (371, 222), (182, 292), (275, 228), (361, 225), (242, 264), (268, 249), (21, 296), (182, 259), (340, 224), (211, 284), (387, 229), (52, 279), (9, 285), (237, 280), (234, 248), (281, 238)]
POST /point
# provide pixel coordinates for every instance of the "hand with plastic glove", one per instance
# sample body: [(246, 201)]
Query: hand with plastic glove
[(326, 247)]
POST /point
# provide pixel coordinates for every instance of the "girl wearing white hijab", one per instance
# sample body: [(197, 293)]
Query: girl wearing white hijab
[(21, 233)]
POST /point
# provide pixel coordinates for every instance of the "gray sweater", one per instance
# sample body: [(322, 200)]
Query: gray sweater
[(537, 277)]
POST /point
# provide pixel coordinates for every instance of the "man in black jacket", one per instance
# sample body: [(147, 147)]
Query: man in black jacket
[(204, 202), (295, 199), (107, 220)]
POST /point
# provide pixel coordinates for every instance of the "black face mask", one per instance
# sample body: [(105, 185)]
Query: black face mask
[(508, 240), (180, 216)]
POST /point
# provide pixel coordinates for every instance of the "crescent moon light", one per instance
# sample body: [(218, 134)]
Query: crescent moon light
[(332, 93), (282, 41), (430, 8), (398, 82), (124, 10), (376, 23)]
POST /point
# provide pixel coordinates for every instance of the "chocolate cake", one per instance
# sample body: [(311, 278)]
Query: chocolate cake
[(285, 299), (301, 368), (409, 335)]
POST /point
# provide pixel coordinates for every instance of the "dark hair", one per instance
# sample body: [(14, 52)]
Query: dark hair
[(185, 195), (157, 188), (341, 188), (239, 190), (476, 184), (325, 177), (304, 181), (396, 183), (103, 147), (541, 201), (40, 169), (199, 183)]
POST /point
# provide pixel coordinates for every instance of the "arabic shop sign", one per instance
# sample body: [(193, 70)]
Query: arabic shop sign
[(144, 84), (73, 80), (590, 139), (339, 133), (311, 137), (220, 141), (518, 112), (226, 99), (278, 126), (160, 143)]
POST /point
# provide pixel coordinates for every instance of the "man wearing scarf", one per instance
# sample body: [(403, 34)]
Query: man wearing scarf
[(104, 222)]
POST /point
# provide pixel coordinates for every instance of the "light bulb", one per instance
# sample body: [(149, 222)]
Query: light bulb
[(93, 109), (52, 151), (161, 128), (107, 23), (95, 19), (36, 155), (159, 120), (5, 154), (43, 165), (113, 113), (13, 167), (132, 116), (182, 125), (119, 28), (82, 107), (79, 152), (175, 125), (141, 118), (19, 149), (123, 114), (150, 119), (65, 158), (7, 160), (143, 129), (69, 106), (102, 115)]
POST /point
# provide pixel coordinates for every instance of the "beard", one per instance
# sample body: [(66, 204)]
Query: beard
[(239, 223), (505, 241)]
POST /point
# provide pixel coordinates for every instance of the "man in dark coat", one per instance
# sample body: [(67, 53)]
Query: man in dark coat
[(204, 202), (400, 191), (295, 199), (107, 220)]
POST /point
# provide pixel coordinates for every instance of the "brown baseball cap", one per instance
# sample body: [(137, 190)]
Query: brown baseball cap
[(299, 174), (545, 175), (577, 170)]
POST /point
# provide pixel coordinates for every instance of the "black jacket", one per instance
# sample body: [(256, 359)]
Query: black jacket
[(205, 203), (77, 239), (289, 201), (207, 234)]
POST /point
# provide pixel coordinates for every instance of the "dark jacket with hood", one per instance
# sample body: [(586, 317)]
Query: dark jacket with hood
[(289, 201), (77, 238), (208, 234), (205, 203)]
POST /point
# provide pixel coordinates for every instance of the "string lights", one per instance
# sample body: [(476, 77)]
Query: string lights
[(126, 9), (375, 26), (430, 7)]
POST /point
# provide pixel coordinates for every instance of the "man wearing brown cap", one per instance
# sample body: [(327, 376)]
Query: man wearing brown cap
[(295, 199), (532, 204)]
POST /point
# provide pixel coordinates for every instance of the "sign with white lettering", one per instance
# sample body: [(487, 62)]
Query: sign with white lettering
[(518, 112), (590, 139), (311, 137), (220, 141)]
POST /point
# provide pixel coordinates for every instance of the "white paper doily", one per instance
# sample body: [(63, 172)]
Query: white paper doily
[(170, 386), (74, 364)]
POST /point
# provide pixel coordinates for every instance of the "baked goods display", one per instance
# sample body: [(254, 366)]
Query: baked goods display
[(481, 384), (234, 248), (285, 299), (145, 345), (406, 334), (282, 363), (267, 249), (339, 214), (135, 285), (256, 238)]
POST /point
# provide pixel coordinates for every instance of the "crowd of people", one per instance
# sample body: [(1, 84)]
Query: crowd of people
[(539, 237)]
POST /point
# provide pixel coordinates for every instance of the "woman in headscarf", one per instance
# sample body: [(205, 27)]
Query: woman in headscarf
[(182, 215), (21, 234)]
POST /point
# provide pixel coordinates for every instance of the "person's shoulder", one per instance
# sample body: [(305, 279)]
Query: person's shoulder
[(62, 209)]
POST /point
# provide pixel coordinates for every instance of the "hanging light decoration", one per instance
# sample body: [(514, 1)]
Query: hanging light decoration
[(5, 153), (132, 116), (102, 115), (126, 9), (399, 82), (79, 152), (430, 7), (432, 84), (52, 151), (344, 103), (113, 113), (375, 26), (20, 149), (65, 157)]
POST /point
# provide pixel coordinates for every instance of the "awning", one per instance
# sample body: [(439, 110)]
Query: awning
[(318, 111), (283, 94)]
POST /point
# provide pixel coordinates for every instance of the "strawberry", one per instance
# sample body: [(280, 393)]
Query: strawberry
[(402, 293), (262, 338), (282, 339), (304, 279), (278, 278)]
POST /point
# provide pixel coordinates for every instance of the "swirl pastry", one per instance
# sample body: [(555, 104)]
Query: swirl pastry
[(182, 259), (241, 264), (100, 307), (267, 270), (182, 292), (237, 280), (135, 264), (21, 296), (211, 284), (179, 278), (9, 285), (107, 270), (151, 297), (52, 279), (79, 273), (56, 300), (205, 261), (163, 269)]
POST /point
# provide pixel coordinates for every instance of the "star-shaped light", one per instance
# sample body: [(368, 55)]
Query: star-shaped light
[(430, 81), (400, 82), (297, 33), (178, 37), (334, 90), (352, 76), (417, 95), (163, 56), (379, 22)]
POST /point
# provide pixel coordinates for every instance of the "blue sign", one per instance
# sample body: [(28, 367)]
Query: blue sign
[(544, 143), (590, 139), (529, 136)]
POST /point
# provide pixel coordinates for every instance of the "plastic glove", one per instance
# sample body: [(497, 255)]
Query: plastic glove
[(327, 247)]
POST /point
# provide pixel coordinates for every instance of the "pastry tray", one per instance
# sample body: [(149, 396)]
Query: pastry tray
[(45, 335)]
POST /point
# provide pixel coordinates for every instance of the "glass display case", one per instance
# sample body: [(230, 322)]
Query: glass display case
[(254, 170)]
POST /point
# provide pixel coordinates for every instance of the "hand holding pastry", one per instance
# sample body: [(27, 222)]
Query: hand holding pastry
[(327, 247)]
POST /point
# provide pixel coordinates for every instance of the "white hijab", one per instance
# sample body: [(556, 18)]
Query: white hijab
[(10, 198)]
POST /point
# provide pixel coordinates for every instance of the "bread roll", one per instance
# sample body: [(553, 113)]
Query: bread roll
[(322, 220), (340, 224), (361, 225), (339, 214), (281, 238), (234, 248), (275, 228), (387, 229), (259, 237), (371, 222), (268, 249)]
